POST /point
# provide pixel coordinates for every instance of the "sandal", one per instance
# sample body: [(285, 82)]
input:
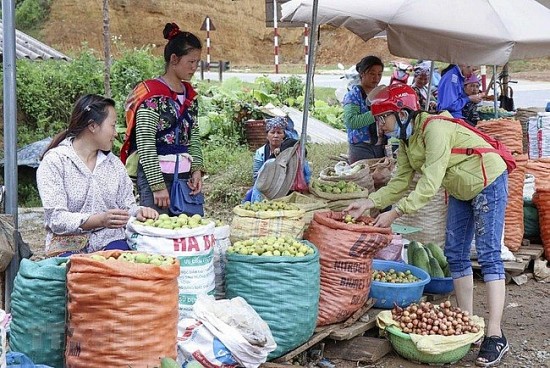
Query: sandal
[(492, 349)]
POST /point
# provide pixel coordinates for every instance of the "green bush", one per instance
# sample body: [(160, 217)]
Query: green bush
[(47, 90), (30, 14)]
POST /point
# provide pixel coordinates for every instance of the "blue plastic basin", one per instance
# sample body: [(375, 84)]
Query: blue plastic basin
[(439, 285), (402, 294)]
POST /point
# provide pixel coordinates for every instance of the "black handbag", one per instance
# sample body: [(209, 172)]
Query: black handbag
[(181, 199), (507, 103)]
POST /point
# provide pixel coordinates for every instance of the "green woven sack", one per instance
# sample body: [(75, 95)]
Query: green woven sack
[(531, 221), (284, 291), (38, 311)]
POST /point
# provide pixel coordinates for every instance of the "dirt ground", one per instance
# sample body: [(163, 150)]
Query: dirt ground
[(526, 316)]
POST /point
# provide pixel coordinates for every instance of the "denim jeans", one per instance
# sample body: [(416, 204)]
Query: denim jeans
[(484, 214)]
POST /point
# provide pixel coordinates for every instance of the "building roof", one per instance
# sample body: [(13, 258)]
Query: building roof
[(30, 48)]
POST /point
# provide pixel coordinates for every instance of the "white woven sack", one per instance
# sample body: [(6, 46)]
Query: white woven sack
[(194, 248), (432, 219)]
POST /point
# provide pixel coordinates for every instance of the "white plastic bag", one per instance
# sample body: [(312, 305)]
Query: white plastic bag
[(197, 343), (528, 188), (238, 327), (342, 168)]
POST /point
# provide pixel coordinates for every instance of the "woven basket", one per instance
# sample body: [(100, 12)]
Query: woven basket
[(255, 134), (404, 346)]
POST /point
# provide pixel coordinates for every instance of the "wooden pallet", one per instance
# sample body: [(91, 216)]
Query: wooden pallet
[(353, 326), (348, 336), (524, 256)]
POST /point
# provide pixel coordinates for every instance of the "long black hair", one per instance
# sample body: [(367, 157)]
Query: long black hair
[(88, 109)]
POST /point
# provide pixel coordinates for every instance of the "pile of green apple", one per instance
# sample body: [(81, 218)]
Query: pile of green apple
[(152, 259), (338, 187), (267, 205), (267, 246), (182, 221)]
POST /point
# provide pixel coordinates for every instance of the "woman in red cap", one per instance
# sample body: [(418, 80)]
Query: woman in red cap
[(478, 192)]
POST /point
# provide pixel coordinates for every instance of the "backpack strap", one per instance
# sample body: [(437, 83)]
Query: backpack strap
[(496, 146), (143, 91)]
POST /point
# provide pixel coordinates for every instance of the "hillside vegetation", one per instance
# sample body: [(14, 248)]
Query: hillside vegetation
[(241, 35)]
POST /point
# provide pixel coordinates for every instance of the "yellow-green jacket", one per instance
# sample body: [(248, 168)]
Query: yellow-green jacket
[(429, 154)]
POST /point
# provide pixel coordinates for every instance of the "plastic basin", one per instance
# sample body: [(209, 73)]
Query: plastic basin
[(404, 346), (402, 294), (439, 285)]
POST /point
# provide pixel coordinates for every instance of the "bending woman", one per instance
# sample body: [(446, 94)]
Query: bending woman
[(478, 193)]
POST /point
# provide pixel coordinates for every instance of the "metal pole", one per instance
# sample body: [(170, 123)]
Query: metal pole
[(208, 46), (432, 66), (495, 90), (309, 76), (306, 43), (10, 134), (275, 37)]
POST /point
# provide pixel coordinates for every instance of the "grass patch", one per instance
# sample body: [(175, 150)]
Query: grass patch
[(230, 174)]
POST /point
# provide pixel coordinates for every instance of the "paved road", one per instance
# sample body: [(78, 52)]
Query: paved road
[(526, 93)]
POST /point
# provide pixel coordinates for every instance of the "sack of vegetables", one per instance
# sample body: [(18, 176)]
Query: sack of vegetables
[(346, 251)]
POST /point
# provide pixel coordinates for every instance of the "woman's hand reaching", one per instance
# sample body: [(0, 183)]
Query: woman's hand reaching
[(356, 209), (145, 213), (385, 219)]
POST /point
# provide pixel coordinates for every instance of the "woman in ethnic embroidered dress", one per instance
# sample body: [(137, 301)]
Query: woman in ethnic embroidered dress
[(153, 145)]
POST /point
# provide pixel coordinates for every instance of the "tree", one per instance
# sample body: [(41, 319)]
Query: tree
[(107, 48)]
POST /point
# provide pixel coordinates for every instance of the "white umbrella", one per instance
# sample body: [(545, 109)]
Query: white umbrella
[(472, 32)]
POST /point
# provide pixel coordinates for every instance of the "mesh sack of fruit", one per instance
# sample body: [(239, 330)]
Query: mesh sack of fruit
[(513, 217), (346, 251), (121, 311), (542, 201), (540, 169), (338, 190), (358, 173), (431, 219), (38, 304), (282, 285), (189, 239), (381, 170), (267, 218), (308, 203)]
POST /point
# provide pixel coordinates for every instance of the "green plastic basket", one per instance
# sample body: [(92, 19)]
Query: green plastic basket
[(404, 346)]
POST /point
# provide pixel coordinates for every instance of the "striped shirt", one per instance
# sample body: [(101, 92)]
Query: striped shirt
[(154, 120)]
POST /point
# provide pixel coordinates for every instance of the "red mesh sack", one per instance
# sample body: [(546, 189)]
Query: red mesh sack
[(540, 169), (120, 314), (542, 201), (346, 252), (507, 131), (513, 220)]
